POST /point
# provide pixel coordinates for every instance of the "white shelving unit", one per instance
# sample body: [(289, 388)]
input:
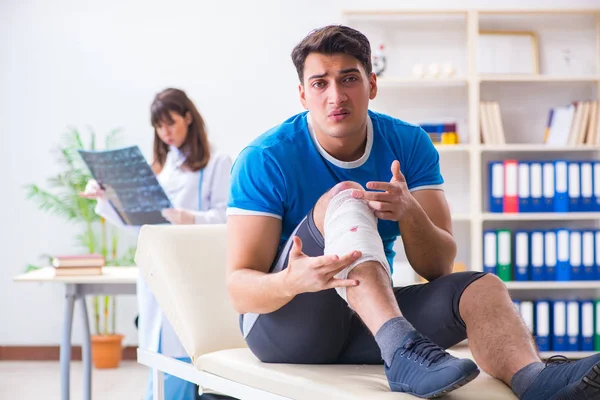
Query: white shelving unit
[(419, 36), (426, 37)]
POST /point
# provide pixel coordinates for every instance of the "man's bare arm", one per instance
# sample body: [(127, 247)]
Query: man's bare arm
[(427, 235), (252, 243)]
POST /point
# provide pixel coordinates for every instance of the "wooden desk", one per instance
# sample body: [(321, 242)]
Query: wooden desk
[(113, 281)]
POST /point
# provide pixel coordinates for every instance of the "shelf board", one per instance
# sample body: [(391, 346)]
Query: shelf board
[(538, 78), (572, 216), (552, 285), (533, 147), (392, 81), (452, 148), (574, 355)]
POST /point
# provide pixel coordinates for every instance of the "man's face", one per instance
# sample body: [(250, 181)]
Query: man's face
[(336, 90)]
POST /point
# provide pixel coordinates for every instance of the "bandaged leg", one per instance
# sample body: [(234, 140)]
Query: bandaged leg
[(351, 225)]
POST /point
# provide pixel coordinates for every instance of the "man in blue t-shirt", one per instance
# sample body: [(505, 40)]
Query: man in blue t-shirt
[(315, 206)]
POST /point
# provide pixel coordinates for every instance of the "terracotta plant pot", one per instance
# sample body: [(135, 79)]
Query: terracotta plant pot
[(107, 350)]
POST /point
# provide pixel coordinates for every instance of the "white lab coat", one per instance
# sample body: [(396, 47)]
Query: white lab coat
[(183, 189)]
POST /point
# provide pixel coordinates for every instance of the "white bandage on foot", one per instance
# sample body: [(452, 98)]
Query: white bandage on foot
[(351, 225)]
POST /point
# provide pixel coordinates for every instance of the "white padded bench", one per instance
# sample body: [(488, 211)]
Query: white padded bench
[(185, 268)]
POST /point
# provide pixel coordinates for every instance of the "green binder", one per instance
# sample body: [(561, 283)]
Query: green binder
[(504, 255)]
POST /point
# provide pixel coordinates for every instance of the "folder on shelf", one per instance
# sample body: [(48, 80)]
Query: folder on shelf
[(563, 266), (496, 185), (523, 189), (559, 331), (504, 264), (550, 255), (560, 126), (574, 187), (542, 325), (511, 201), (536, 180), (490, 252), (587, 325), (561, 186), (597, 253), (597, 325), (588, 263), (522, 256), (575, 255), (596, 177), (527, 314), (548, 187), (573, 326), (587, 186), (537, 256)]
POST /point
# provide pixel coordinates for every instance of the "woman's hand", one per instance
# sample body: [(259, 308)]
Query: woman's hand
[(178, 216), (92, 191)]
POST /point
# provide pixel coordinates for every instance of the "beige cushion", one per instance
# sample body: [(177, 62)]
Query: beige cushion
[(185, 268)]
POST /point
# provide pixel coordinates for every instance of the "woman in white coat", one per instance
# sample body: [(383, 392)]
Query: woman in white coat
[(196, 179)]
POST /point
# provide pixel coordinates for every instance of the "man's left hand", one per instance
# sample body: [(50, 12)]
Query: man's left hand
[(393, 201), (178, 216)]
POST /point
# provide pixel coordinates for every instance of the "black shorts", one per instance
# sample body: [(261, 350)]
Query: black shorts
[(320, 328)]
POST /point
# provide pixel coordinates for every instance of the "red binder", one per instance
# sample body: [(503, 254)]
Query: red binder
[(511, 198)]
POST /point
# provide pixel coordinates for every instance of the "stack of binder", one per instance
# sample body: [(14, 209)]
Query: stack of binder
[(544, 186), (562, 325), (536, 255)]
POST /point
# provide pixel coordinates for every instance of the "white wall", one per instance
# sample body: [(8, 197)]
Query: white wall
[(90, 63)]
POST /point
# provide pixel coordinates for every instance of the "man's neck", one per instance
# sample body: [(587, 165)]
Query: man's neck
[(346, 149)]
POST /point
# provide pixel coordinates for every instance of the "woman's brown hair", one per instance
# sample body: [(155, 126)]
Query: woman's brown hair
[(195, 147)]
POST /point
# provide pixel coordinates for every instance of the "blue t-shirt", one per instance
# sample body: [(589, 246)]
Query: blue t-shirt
[(283, 172)]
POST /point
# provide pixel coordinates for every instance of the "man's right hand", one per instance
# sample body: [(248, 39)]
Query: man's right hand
[(312, 274), (92, 191)]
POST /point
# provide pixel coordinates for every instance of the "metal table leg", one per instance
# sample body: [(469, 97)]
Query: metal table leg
[(86, 351), (65, 342)]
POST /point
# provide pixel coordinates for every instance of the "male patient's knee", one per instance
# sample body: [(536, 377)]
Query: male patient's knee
[(351, 225)]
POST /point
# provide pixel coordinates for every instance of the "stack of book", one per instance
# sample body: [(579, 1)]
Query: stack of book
[(441, 133), (574, 125), (74, 265), (492, 129)]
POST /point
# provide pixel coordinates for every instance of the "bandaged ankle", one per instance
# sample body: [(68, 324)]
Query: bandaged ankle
[(351, 225)]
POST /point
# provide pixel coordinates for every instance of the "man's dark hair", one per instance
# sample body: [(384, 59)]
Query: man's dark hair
[(333, 39)]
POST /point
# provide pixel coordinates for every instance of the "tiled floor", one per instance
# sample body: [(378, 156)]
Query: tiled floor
[(25, 380)]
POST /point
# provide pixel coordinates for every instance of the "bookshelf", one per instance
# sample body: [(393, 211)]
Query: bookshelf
[(568, 43), (425, 36)]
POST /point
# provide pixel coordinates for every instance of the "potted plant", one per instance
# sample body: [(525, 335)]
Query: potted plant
[(63, 200)]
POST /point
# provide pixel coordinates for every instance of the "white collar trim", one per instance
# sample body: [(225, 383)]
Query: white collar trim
[(343, 164)]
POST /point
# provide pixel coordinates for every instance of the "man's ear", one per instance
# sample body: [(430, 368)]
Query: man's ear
[(302, 94), (188, 118), (372, 86)]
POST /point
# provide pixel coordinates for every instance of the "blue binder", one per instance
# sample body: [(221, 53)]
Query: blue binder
[(490, 252), (588, 263), (537, 256), (496, 186), (559, 331), (561, 186), (548, 187), (550, 255), (563, 266), (575, 255), (523, 187), (587, 186), (596, 197), (573, 343), (542, 325), (522, 266), (574, 186), (587, 326), (535, 187)]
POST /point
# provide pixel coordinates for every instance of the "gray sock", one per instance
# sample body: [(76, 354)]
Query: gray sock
[(522, 380), (389, 337)]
